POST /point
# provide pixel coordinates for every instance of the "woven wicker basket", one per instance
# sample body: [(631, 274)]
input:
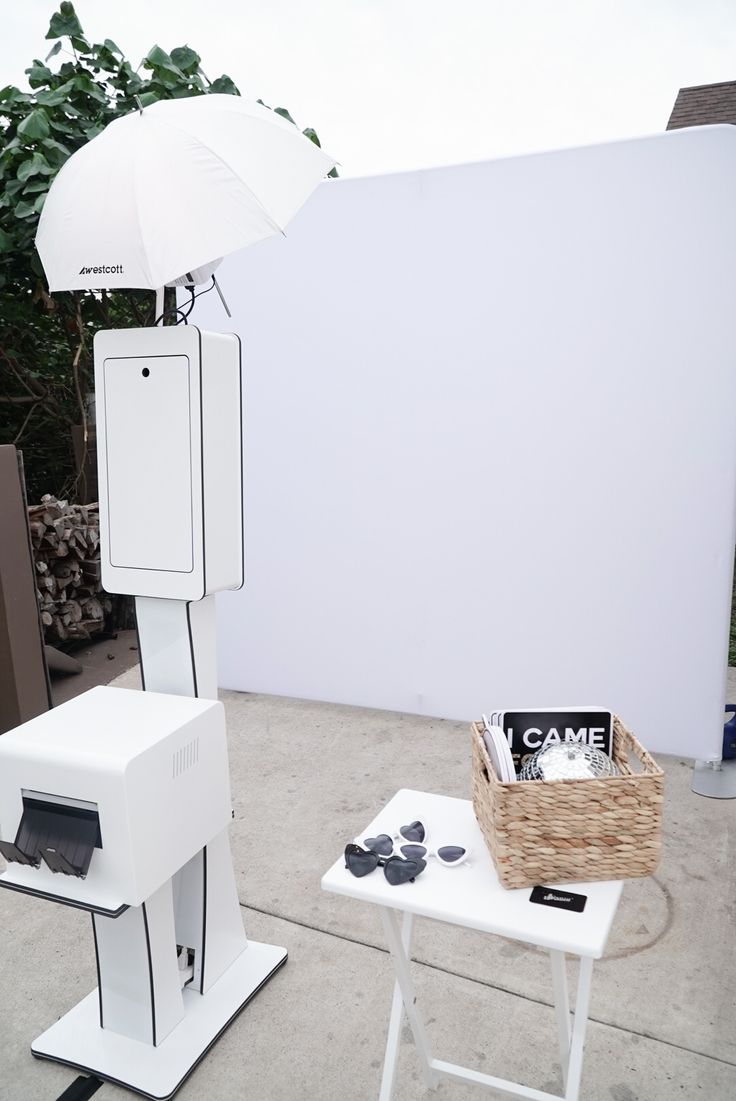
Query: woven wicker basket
[(563, 831)]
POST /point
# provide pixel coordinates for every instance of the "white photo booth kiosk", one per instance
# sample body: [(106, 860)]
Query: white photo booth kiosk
[(118, 802)]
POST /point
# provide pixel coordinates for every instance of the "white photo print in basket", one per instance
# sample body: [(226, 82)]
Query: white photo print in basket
[(499, 752)]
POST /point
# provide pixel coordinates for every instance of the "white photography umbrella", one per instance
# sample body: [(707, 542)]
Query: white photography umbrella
[(170, 189)]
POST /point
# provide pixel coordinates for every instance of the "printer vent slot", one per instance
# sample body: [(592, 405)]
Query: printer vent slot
[(186, 757)]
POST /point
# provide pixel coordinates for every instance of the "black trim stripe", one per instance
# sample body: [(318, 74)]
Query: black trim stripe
[(99, 975), (195, 1064), (201, 463), (64, 901), (242, 464), (150, 974), (138, 640), (204, 918), (195, 690), (105, 550), (201, 459)]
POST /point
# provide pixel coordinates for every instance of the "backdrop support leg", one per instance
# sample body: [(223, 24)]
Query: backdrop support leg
[(715, 779)]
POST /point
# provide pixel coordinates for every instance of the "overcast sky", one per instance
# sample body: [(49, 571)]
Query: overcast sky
[(400, 84)]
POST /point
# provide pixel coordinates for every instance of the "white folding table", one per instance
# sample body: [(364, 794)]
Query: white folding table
[(471, 896)]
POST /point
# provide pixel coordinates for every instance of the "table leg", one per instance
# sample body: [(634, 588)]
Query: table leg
[(582, 1004), (391, 1057), (399, 942), (562, 1008)]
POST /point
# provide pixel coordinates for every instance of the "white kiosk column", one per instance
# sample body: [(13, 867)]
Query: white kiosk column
[(178, 655), (177, 646), (132, 949)]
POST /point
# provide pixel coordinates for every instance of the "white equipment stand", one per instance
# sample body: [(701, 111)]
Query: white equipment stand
[(714, 779), (470, 895), (174, 964)]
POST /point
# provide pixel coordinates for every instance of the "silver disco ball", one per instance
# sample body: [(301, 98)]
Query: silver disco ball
[(568, 761)]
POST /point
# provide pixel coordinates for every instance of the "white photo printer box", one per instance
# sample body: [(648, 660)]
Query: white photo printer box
[(105, 797)]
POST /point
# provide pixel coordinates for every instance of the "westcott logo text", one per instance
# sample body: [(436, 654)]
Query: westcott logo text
[(116, 269)]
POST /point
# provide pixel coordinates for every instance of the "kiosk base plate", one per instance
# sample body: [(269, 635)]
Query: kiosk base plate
[(157, 1072)]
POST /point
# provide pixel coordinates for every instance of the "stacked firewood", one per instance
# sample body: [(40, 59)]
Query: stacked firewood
[(66, 552)]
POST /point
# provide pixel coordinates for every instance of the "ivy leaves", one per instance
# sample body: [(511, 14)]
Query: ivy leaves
[(34, 126), (65, 23)]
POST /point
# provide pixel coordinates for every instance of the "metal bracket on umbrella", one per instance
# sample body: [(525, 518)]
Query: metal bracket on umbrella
[(222, 296)]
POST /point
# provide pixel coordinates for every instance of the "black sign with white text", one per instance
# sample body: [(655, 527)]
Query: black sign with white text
[(528, 731), (561, 900)]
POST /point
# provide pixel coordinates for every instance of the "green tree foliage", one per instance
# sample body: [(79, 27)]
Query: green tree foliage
[(45, 340)]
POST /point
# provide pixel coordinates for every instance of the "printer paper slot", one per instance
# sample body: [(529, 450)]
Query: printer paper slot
[(63, 836), (15, 855)]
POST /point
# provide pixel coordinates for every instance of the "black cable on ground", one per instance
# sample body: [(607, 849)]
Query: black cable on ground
[(81, 1089)]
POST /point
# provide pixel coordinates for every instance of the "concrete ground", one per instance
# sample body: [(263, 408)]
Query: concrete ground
[(307, 777)]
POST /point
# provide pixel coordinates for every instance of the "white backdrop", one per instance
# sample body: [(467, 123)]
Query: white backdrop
[(490, 444)]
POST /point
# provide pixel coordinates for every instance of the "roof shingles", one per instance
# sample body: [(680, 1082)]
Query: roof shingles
[(704, 105)]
